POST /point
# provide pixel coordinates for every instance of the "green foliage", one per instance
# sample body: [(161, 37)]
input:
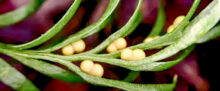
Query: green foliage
[(52, 31), (49, 69), (181, 40), (14, 78), (158, 26), (20, 13)]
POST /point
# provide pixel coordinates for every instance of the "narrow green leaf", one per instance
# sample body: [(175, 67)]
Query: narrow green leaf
[(196, 29), (49, 69), (52, 31), (14, 78), (116, 83), (99, 81), (132, 76), (212, 34), (91, 29), (151, 66), (20, 13), (199, 26), (128, 28), (161, 66), (169, 38), (158, 26), (166, 39)]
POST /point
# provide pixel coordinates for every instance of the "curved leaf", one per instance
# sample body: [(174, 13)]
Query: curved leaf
[(161, 66), (91, 29), (128, 28), (52, 31), (20, 13), (212, 34), (132, 75), (115, 83), (166, 39), (196, 29), (151, 66), (199, 26), (158, 26), (14, 78), (102, 81), (49, 69)]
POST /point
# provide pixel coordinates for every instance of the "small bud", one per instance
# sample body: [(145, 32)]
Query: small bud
[(68, 50)]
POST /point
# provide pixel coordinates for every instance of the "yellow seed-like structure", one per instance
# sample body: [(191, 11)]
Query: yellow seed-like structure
[(132, 55), (178, 20), (170, 28), (138, 54), (79, 46), (68, 50), (89, 67), (148, 39), (97, 70), (120, 43), (126, 54), (111, 48), (86, 66)]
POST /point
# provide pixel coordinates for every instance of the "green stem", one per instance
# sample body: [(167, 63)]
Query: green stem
[(150, 66), (101, 81)]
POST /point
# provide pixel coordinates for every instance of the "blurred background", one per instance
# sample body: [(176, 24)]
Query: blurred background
[(198, 72)]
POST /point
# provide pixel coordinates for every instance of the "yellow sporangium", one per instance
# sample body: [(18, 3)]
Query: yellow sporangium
[(77, 47), (116, 45), (97, 70), (120, 43), (176, 22), (132, 55), (170, 28), (86, 65), (138, 54), (126, 54), (111, 48), (68, 50), (92, 68), (148, 39)]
